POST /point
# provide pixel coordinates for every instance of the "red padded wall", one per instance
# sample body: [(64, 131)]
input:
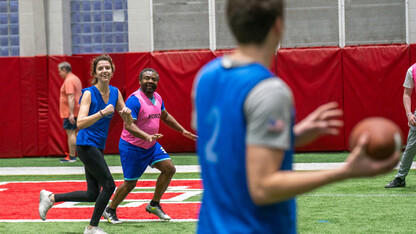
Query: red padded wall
[(13, 113), (365, 81), (177, 71), (41, 78), (218, 53), (28, 103), (373, 84), (315, 77), (134, 64)]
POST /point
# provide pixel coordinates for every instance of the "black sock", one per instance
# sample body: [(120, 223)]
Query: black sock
[(110, 210), (154, 203)]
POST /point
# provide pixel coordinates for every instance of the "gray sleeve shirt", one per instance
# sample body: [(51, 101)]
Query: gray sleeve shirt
[(268, 110)]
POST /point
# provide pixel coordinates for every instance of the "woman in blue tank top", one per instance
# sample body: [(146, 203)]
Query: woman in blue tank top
[(97, 105)]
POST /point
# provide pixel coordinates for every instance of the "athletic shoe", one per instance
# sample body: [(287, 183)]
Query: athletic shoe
[(396, 183), (68, 159), (44, 203), (111, 216), (94, 230), (157, 210)]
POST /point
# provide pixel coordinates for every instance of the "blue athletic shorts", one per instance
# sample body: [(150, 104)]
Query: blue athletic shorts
[(68, 125), (134, 160)]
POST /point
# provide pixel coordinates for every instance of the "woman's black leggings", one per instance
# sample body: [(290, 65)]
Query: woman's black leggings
[(98, 175)]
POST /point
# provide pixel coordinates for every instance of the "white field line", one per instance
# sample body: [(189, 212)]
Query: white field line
[(118, 169), (130, 203), (87, 220), (359, 195), (55, 181)]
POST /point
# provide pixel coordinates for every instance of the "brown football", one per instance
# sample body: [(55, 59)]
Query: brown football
[(384, 137)]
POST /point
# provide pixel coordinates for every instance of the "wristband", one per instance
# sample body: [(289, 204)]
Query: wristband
[(409, 114), (101, 113)]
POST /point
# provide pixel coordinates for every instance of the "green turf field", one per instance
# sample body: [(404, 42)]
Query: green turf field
[(352, 206)]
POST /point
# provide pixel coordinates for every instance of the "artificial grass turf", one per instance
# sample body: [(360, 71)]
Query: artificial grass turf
[(352, 206)]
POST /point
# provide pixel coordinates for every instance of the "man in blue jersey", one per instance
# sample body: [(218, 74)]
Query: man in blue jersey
[(247, 132)]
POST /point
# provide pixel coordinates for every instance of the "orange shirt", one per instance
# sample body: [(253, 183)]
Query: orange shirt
[(72, 85)]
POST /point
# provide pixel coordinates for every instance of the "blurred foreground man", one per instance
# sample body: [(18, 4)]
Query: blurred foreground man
[(244, 117)]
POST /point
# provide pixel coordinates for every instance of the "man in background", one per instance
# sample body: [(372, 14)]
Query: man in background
[(70, 93), (410, 151)]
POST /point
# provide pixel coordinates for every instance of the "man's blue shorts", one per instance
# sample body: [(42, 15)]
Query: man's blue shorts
[(134, 160), (68, 125)]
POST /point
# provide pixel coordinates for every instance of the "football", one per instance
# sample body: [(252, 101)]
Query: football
[(384, 137)]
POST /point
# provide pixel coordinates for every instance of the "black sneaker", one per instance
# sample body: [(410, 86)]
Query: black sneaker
[(68, 159), (396, 183), (111, 216)]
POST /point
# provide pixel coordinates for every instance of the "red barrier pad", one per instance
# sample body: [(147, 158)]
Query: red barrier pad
[(134, 64), (218, 53), (28, 102), (315, 77), (12, 116), (373, 84), (177, 71), (41, 78), (412, 51)]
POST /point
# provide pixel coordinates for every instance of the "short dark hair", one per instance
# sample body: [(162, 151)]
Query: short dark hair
[(146, 70), (94, 63), (65, 66), (250, 20)]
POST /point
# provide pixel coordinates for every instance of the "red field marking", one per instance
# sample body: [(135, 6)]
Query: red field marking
[(20, 200)]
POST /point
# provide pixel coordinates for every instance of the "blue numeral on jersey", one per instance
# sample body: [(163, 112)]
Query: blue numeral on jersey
[(215, 119)]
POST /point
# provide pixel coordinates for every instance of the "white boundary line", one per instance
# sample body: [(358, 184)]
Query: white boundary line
[(179, 169), (55, 181), (87, 220), (359, 195)]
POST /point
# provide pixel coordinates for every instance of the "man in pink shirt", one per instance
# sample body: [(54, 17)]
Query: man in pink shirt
[(138, 146), (70, 93)]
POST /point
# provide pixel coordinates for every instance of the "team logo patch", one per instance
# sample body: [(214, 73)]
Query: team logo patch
[(20, 200)]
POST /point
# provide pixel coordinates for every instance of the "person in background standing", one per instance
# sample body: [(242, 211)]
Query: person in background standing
[(70, 94)]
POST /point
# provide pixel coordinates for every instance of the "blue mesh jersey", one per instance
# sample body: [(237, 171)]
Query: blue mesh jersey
[(227, 207), (96, 134)]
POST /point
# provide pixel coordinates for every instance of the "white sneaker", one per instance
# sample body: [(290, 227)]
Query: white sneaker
[(157, 210), (44, 203), (94, 230)]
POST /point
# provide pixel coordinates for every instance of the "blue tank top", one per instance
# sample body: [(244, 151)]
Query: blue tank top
[(96, 134), (226, 203)]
